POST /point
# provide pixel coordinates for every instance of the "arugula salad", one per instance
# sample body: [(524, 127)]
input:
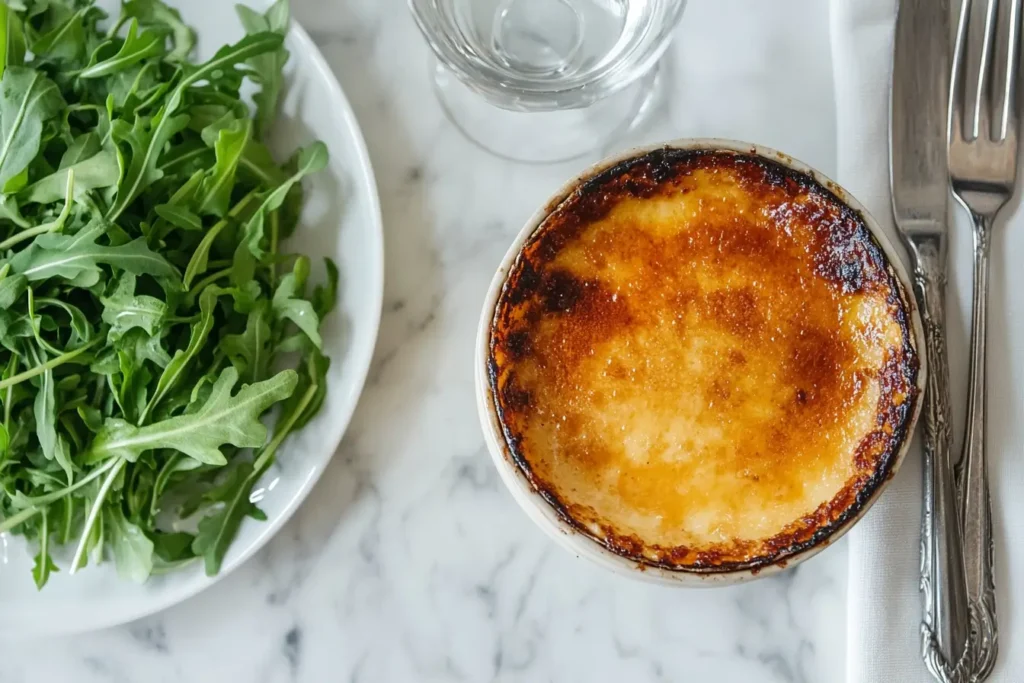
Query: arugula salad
[(149, 317)]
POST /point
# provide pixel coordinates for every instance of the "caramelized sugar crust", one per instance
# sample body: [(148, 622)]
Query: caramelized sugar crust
[(704, 361)]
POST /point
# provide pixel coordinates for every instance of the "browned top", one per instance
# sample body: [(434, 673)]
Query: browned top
[(703, 360)]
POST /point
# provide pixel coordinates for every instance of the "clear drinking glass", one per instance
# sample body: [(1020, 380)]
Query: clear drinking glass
[(545, 80)]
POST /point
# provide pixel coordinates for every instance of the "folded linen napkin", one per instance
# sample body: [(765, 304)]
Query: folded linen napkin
[(884, 603)]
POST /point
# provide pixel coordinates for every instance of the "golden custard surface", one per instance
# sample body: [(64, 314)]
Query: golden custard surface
[(703, 360)]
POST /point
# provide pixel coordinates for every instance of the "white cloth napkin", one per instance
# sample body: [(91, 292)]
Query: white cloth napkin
[(884, 603)]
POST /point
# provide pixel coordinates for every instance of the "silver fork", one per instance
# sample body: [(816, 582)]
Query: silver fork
[(982, 169)]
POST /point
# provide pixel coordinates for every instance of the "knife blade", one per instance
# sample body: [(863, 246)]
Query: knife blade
[(919, 180)]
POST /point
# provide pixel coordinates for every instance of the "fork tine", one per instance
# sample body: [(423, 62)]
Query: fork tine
[(956, 91), (975, 63), (1005, 69)]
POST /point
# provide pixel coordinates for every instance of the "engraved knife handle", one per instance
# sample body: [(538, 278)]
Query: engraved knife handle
[(944, 629), (972, 476)]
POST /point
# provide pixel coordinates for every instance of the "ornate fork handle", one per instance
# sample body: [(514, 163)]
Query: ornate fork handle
[(944, 629), (972, 475)]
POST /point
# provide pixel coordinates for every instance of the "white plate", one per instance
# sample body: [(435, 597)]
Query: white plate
[(341, 219)]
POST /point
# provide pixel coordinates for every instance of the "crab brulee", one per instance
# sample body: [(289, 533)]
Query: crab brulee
[(704, 360)]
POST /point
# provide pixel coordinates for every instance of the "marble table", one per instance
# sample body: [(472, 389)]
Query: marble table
[(410, 562)]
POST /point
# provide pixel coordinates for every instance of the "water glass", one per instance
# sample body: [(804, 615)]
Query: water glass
[(545, 80)]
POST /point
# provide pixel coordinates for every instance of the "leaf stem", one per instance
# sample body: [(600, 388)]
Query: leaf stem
[(194, 292), (47, 498), (267, 454), (25, 234), (48, 365), (94, 512), (275, 228), (17, 519), (9, 396)]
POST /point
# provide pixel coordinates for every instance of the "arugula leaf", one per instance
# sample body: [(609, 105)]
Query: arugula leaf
[(200, 257), (311, 160), (71, 256), (267, 67), (223, 419), (95, 172), (146, 138), (11, 289), (65, 38), (43, 565), (251, 350), (174, 370), (132, 550), (289, 304), (52, 444), (135, 48), (28, 99), (124, 310), (217, 530), (12, 39), (146, 149), (216, 189), (156, 13), (326, 297)]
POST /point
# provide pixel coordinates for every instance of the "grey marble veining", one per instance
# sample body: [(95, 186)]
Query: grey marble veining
[(409, 561)]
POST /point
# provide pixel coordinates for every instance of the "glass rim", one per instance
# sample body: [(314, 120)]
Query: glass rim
[(514, 91)]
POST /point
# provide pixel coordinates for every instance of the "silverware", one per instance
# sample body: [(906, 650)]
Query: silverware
[(983, 171), (920, 197)]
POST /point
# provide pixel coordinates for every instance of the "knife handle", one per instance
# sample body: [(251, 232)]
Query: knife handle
[(972, 476), (944, 629)]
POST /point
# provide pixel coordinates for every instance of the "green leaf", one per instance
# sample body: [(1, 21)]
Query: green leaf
[(147, 139), (311, 160), (198, 337), (179, 217), (217, 530), (132, 550), (136, 48), (53, 445), (251, 350), (72, 256), (223, 419), (312, 382), (9, 209), (124, 310), (154, 13), (12, 39), (11, 289), (145, 347), (92, 173), (65, 39), (288, 304), (200, 257), (215, 194), (326, 297), (268, 68), (173, 547), (43, 565), (80, 325), (28, 99), (146, 148)]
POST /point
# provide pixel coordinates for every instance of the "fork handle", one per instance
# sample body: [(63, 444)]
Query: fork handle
[(972, 475), (944, 628)]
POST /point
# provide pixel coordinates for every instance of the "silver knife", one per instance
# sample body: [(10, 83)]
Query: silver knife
[(919, 180)]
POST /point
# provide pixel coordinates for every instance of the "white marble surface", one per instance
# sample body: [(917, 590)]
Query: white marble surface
[(409, 561)]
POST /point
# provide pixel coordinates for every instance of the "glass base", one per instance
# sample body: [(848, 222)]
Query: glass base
[(541, 137)]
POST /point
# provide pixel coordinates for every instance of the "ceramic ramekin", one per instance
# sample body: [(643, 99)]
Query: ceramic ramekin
[(543, 513)]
